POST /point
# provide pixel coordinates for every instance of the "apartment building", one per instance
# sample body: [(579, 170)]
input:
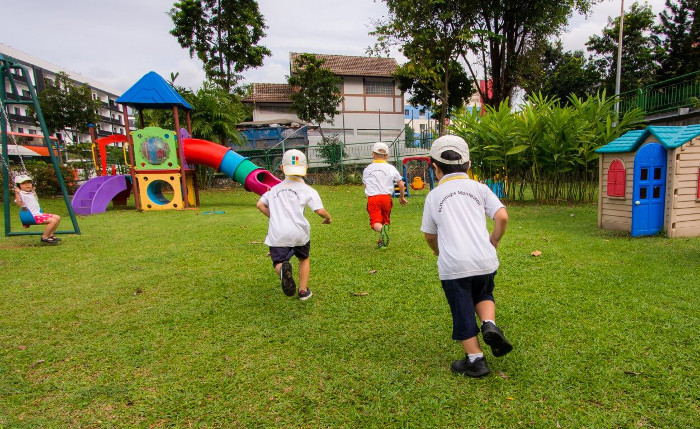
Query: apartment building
[(110, 114)]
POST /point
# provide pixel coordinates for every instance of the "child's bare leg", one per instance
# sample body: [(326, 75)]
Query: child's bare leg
[(51, 226), (377, 227), (471, 345), (486, 310), (278, 268), (304, 270)]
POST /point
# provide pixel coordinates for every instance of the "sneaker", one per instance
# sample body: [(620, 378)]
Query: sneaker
[(304, 295), (385, 235), (478, 368), (495, 339), (289, 287), (380, 245)]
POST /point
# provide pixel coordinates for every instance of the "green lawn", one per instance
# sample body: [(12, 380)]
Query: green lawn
[(176, 319)]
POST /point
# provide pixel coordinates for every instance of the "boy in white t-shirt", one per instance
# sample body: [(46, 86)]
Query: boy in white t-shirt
[(454, 224), (379, 178), (289, 233)]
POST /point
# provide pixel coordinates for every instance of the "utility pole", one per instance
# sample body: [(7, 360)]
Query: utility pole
[(619, 63)]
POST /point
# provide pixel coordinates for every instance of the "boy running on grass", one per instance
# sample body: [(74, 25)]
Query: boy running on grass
[(379, 178), (454, 224), (289, 233)]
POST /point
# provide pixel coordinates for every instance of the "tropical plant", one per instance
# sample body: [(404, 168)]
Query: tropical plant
[(545, 146)]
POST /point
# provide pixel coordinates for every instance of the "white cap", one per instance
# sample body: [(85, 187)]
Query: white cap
[(453, 143), (380, 148), (294, 163), (22, 178)]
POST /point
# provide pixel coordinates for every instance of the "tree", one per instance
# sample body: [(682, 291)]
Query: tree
[(224, 35), (550, 71), (677, 39), (638, 66), (317, 90), (504, 31), (459, 88), (430, 34), (65, 105)]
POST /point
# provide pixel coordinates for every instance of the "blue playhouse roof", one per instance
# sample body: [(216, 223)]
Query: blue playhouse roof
[(153, 92), (670, 137)]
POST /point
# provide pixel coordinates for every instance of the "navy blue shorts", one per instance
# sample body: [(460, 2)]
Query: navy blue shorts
[(462, 295), (281, 254)]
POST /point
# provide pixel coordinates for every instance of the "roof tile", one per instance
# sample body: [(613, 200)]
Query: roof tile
[(270, 93), (345, 65)]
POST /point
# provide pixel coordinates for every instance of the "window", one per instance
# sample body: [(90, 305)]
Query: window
[(20, 130), (379, 88), (406, 112), (31, 131), (17, 111), (616, 179), (422, 128)]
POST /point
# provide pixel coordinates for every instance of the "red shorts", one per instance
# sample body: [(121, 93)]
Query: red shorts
[(379, 209)]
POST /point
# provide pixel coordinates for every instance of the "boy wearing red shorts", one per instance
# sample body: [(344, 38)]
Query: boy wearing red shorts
[(379, 178)]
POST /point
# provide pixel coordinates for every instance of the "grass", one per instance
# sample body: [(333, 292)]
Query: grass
[(177, 319)]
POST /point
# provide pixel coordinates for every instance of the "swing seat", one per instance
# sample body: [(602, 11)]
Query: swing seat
[(417, 184), (26, 217)]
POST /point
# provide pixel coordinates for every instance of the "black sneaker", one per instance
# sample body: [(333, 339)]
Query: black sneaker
[(305, 294), (495, 339), (289, 287), (478, 368)]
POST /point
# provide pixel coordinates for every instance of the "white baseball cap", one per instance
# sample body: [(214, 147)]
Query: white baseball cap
[(294, 163), (380, 148), (22, 178), (453, 143)]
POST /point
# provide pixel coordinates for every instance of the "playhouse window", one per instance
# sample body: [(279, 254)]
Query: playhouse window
[(616, 179)]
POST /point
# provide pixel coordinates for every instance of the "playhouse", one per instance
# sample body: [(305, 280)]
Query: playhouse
[(649, 182)]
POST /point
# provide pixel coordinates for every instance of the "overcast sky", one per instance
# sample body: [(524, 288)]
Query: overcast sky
[(118, 41)]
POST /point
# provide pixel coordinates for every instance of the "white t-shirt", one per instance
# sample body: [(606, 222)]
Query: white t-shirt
[(287, 201), (379, 178), (456, 211), (30, 201)]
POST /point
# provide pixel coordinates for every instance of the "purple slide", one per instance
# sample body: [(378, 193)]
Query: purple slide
[(95, 195)]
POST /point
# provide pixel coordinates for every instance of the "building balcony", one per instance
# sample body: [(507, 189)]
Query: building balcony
[(21, 119)]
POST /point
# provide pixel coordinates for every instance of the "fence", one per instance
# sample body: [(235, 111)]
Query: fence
[(665, 96), (335, 154)]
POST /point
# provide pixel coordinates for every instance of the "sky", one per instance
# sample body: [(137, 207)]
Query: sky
[(115, 42)]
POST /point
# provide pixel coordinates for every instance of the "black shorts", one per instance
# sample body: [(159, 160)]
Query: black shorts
[(462, 295), (281, 254)]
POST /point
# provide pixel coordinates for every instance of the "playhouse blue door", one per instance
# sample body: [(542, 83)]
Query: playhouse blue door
[(649, 190)]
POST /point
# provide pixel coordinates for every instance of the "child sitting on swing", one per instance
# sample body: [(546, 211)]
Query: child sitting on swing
[(25, 197)]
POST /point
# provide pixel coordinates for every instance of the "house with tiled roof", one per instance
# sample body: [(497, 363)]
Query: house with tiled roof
[(372, 107), (650, 182)]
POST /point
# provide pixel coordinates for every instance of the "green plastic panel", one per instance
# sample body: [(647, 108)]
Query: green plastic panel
[(155, 149)]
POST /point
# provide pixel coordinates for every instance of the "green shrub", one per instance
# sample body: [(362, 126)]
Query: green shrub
[(46, 181)]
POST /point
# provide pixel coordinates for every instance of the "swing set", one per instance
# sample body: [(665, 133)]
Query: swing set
[(8, 68)]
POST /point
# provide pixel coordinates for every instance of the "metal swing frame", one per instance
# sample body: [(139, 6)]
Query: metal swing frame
[(7, 64)]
